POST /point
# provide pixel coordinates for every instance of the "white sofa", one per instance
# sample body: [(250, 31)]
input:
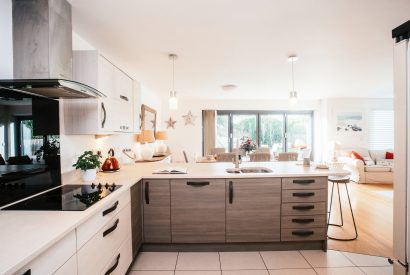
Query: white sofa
[(375, 169)]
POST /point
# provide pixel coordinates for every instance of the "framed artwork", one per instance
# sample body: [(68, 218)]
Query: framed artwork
[(347, 122)]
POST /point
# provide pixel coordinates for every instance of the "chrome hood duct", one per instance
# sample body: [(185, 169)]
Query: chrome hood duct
[(42, 51), (51, 88)]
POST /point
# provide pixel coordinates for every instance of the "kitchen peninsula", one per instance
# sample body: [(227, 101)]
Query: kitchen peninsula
[(205, 209)]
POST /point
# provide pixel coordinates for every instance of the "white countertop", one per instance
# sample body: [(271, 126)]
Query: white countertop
[(26, 234)]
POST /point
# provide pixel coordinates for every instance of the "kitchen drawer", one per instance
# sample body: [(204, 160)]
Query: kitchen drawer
[(307, 234), (53, 258), (198, 211), (97, 252), (122, 259), (296, 209), (303, 195), (86, 230), (70, 267), (304, 183), (303, 221)]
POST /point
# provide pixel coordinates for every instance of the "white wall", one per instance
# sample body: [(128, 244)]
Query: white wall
[(6, 45), (330, 109), (189, 138)]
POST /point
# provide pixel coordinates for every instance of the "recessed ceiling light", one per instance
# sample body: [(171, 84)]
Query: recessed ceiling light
[(229, 87)]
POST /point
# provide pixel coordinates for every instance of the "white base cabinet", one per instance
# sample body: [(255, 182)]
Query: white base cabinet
[(69, 268), (51, 260)]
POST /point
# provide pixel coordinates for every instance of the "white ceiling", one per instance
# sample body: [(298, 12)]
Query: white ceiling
[(344, 46)]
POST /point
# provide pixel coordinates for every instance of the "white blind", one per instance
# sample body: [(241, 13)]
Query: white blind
[(381, 129)]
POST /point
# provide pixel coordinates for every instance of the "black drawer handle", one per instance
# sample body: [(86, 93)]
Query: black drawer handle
[(303, 181), (303, 194), (303, 221), (111, 269), (303, 233), (28, 272), (230, 192), (146, 192), (124, 97), (197, 183), (111, 229), (303, 207), (109, 210)]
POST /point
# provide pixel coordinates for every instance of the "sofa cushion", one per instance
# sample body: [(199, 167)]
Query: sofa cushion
[(377, 168), (378, 154), (356, 155), (368, 161), (389, 155), (385, 162)]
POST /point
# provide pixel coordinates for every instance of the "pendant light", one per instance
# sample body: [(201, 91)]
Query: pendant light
[(173, 100), (293, 95)]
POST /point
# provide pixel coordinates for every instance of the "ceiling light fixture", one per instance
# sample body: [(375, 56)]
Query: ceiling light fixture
[(293, 95), (173, 100)]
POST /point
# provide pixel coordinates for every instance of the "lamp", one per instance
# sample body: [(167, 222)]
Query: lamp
[(147, 150), (173, 100), (293, 95), (334, 147), (161, 146)]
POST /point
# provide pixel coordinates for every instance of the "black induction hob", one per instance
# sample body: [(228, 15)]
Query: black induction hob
[(66, 198)]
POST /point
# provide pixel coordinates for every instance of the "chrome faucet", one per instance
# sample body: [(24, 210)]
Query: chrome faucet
[(237, 158)]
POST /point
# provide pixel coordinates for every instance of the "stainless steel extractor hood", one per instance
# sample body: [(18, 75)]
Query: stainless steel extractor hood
[(51, 88), (42, 51)]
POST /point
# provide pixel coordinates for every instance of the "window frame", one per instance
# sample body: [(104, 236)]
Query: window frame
[(258, 114)]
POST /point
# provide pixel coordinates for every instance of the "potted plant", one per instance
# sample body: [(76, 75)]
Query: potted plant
[(88, 163)]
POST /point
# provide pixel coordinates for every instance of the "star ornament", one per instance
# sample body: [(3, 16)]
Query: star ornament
[(170, 123), (189, 119)]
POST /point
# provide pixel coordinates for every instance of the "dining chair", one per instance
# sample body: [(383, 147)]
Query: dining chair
[(263, 150), (217, 150), (288, 156), (225, 157), (259, 157)]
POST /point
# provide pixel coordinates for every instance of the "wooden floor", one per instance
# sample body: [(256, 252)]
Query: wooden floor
[(373, 211)]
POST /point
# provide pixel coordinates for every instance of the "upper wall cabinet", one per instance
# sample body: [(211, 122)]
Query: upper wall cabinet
[(115, 113)]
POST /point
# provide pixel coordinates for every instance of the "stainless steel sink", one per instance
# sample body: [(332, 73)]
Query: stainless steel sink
[(247, 170)]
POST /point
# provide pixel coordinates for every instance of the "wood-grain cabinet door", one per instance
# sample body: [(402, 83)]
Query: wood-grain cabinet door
[(198, 210), (253, 210), (157, 223), (136, 217)]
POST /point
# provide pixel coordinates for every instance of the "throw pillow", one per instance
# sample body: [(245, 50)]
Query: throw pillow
[(368, 161), (389, 155), (356, 155)]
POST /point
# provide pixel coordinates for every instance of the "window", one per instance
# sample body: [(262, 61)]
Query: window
[(381, 129), (279, 131)]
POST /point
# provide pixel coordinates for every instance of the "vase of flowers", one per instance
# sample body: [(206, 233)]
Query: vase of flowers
[(247, 145), (88, 163)]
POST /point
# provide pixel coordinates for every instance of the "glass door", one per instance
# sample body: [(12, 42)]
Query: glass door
[(222, 132), (272, 132), (243, 125), (299, 128)]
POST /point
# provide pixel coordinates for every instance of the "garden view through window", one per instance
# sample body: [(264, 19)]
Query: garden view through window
[(278, 131)]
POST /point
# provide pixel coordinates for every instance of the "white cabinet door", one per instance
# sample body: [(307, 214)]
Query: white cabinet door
[(53, 258), (107, 115), (123, 86), (106, 76), (69, 268)]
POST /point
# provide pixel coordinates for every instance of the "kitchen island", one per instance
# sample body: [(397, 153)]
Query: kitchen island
[(205, 209)]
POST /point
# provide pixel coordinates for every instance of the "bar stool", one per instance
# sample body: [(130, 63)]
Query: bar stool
[(340, 180)]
